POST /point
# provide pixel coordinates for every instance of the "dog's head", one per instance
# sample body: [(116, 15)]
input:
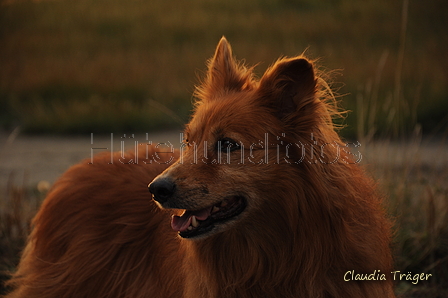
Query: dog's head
[(240, 150)]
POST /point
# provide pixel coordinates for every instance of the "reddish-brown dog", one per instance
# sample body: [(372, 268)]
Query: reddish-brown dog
[(268, 202)]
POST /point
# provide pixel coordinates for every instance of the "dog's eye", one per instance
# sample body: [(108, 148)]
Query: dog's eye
[(227, 144)]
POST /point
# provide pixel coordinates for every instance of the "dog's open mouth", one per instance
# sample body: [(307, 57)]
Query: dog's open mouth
[(195, 223)]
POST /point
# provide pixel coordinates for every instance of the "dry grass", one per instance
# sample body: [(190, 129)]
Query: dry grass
[(18, 204), (412, 174)]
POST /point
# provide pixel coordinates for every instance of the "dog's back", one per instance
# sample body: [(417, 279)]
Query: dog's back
[(99, 234)]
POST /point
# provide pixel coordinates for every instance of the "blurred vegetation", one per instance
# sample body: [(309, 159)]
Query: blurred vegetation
[(111, 65)]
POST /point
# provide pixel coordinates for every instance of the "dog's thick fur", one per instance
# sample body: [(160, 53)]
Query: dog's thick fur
[(311, 212)]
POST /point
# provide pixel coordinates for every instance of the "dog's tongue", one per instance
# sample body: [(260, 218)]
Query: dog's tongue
[(181, 223)]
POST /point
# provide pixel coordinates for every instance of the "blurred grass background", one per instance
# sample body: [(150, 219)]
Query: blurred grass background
[(91, 66), (102, 66)]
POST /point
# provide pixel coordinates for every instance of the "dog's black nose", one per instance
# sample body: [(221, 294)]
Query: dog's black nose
[(162, 189)]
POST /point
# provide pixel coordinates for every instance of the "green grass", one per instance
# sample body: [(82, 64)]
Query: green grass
[(71, 57)]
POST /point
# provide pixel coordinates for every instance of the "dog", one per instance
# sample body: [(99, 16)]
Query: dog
[(263, 200)]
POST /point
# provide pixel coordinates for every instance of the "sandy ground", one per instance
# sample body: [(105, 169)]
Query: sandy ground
[(28, 160)]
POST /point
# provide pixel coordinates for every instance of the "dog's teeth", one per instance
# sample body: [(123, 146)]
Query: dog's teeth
[(215, 209), (190, 228), (194, 222)]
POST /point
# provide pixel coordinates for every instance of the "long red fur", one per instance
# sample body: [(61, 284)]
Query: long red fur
[(99, 234)]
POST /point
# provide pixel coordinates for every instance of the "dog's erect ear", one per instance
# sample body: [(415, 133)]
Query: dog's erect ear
[(288, 86), (224, 73)]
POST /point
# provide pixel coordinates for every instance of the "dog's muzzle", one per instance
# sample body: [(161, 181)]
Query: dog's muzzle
[(162, 189)]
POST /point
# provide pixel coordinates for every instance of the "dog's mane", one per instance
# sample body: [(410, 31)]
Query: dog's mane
[(339, 195)]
